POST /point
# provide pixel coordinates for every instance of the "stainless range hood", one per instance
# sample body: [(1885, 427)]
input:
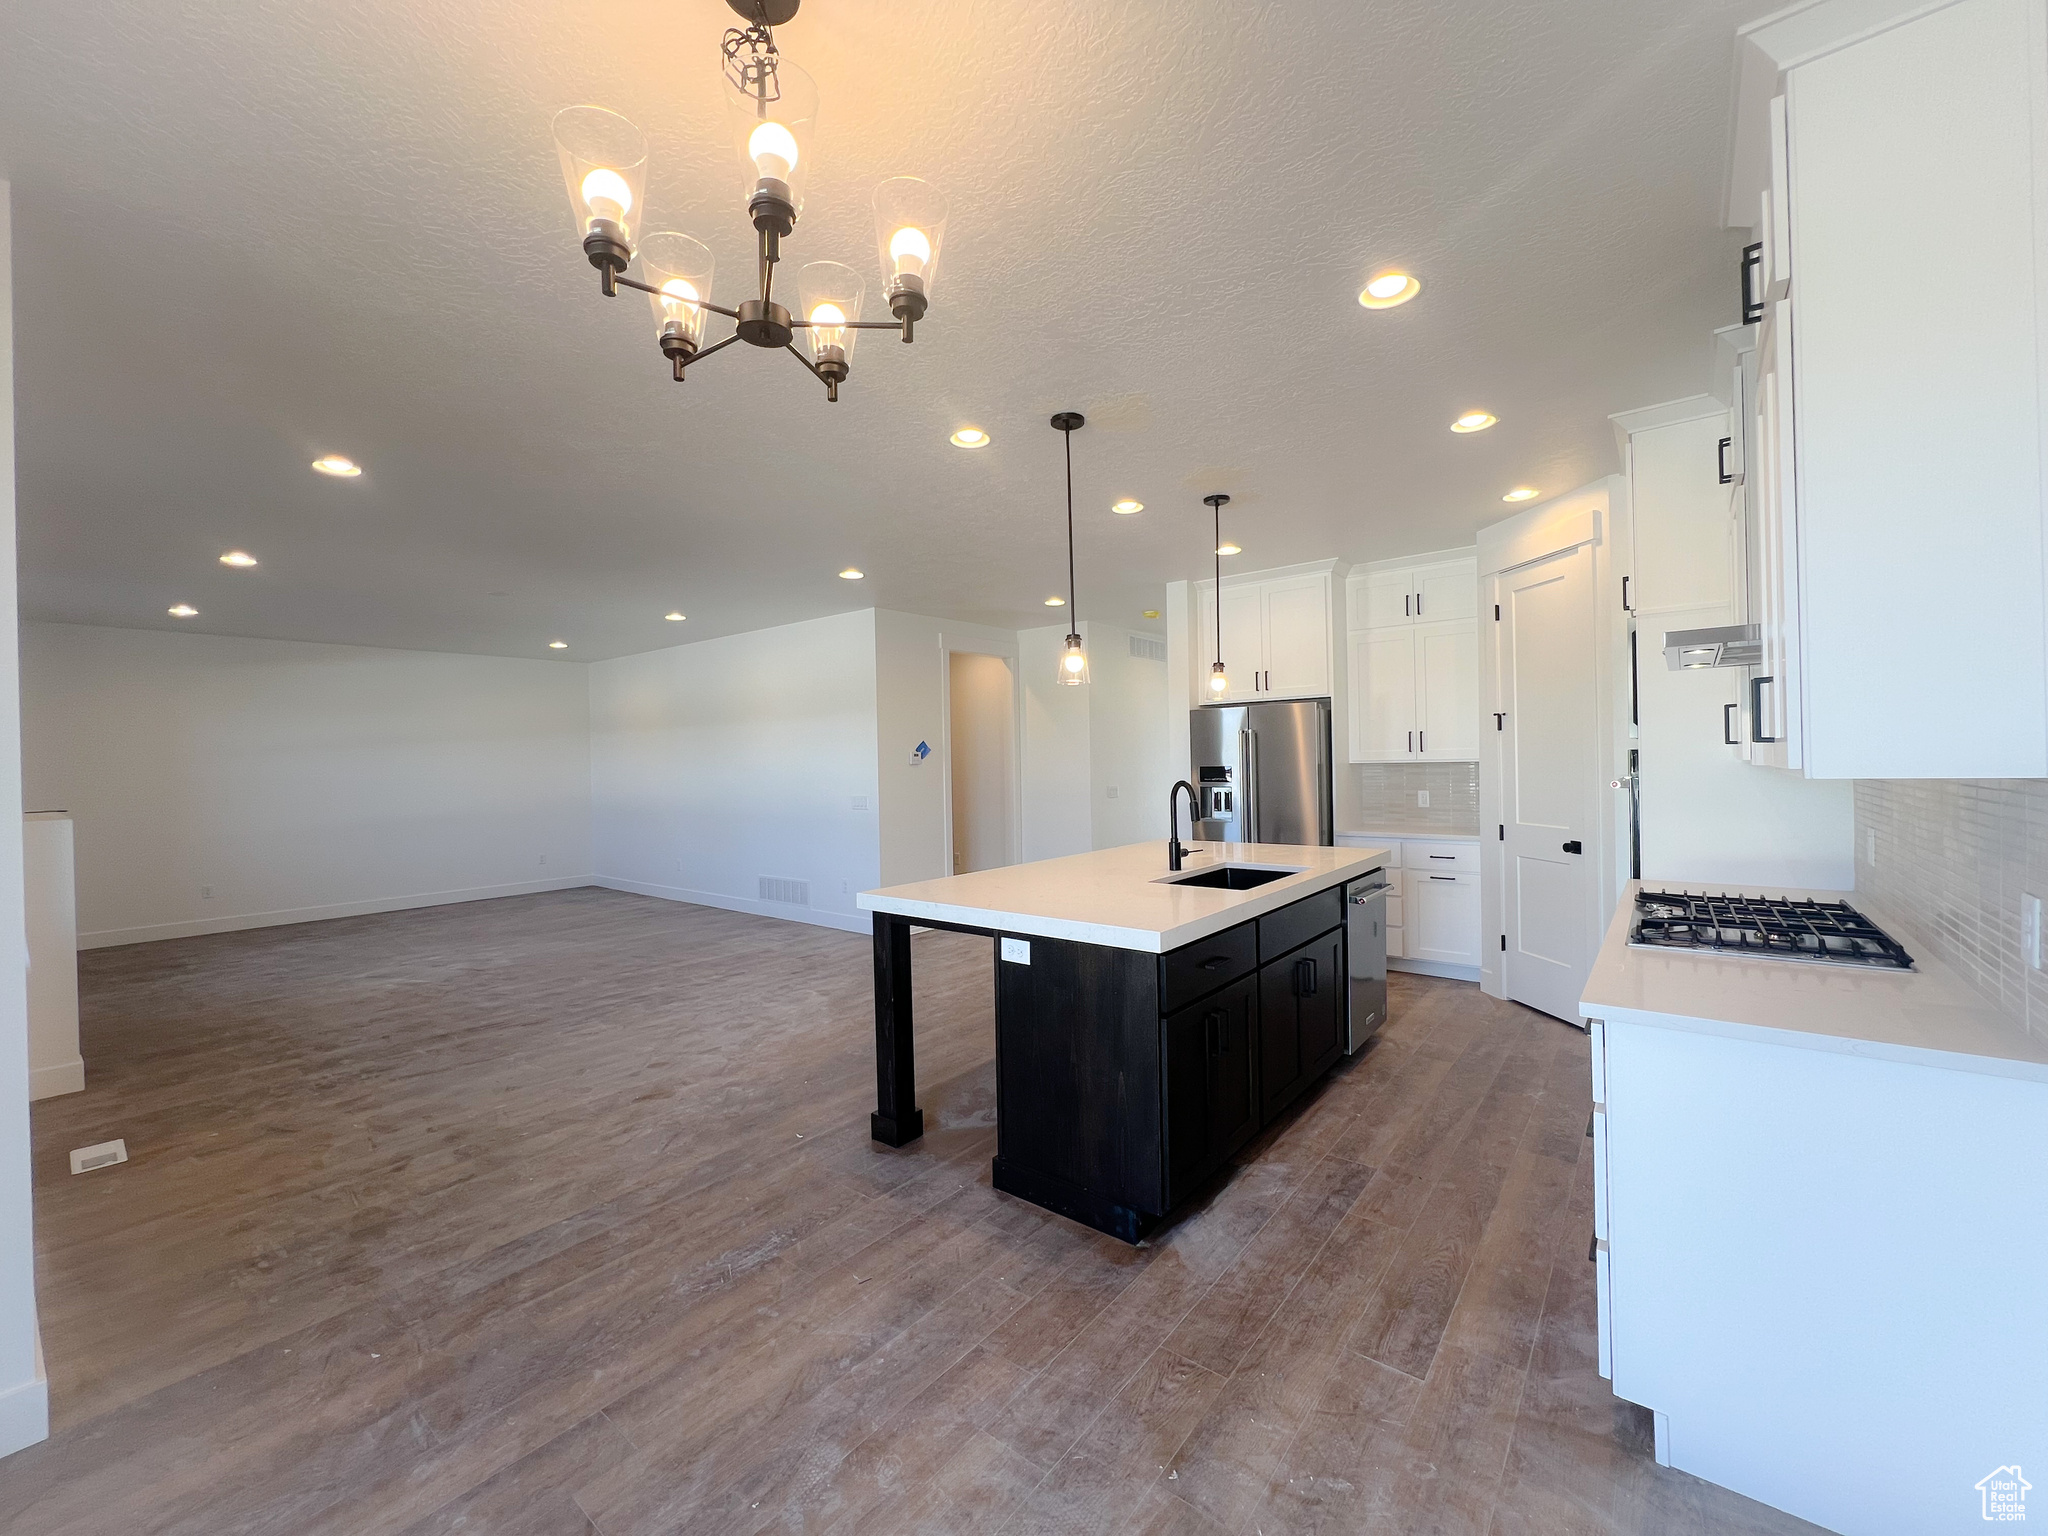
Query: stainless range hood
[(1731, 645)]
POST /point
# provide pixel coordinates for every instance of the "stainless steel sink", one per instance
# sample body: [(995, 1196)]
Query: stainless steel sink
[(1229, 877)]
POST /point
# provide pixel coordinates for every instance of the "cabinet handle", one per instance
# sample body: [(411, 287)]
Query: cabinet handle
[(1421, 737), (1305, 977), (1756, 708), (1221, 1026), (1752, 285), (1452, 878), (1593, 1250), (1215, 961), (1728, 725), (1411, 741), (1448, 858), (1721, 461), (1405, 601), (1418, 605)]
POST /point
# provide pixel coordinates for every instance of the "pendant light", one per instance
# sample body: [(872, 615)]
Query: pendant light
[(1073, 667), (1219, 680)]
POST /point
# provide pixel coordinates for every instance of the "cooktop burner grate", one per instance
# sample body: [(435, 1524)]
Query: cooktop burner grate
[(1766, 927)]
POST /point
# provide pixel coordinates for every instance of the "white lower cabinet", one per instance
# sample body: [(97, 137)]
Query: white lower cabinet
[(1822, 1269), (1444, 925)]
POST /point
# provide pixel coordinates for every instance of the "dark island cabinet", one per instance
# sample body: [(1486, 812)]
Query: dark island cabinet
[(1124, 1080), (1212, 1084), (1301, 1019)]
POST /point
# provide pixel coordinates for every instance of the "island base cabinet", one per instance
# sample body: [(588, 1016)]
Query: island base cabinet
[(1301, 1019), (1212, 1084)]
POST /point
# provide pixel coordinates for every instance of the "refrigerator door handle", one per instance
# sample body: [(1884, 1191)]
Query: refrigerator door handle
[(1248, 752)]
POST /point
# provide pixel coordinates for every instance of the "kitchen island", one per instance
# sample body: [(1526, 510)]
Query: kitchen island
[(1148, 1021)]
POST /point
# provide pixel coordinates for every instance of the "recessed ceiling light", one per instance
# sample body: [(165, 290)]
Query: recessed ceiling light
[(1126, 507), (1151, 613), (1055, 602), (1228, 549), (337, 465), (1521, 493), (674, 618), (558, 645), (1474, 421), (970, 437), (1389, 289), (183, 611), (240, 559), (851, 574)]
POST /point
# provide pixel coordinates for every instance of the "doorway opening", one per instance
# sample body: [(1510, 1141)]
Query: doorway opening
[(981, 742)]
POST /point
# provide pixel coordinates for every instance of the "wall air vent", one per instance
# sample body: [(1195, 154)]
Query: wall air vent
[(1148, 648), (796, 893)]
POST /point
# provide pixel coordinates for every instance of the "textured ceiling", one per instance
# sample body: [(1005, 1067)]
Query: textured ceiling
[(251, 233)]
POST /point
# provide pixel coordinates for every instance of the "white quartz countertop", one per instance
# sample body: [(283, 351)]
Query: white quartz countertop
[(1115, 897), (1925, 1016)]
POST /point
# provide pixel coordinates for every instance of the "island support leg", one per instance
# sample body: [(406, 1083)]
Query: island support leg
[(896, 1119)]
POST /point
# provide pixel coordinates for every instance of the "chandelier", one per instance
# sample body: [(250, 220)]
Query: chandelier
[(773, 108)]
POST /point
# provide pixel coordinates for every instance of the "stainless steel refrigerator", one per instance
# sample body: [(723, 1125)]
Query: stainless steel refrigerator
[(1262, 772)]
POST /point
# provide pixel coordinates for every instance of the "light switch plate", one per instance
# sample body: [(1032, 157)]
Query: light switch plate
[(2030, 929), (1017, 951)]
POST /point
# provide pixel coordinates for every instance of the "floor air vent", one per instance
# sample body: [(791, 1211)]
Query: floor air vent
[(797, 893), (1148, 648)]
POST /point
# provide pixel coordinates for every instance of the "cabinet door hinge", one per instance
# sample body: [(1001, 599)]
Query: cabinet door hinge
[(1503, 943), (1503, 831), (1499, 719), (1496, 613)]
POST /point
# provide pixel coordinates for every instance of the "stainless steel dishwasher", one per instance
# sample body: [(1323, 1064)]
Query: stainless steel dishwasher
[(1365, 924)]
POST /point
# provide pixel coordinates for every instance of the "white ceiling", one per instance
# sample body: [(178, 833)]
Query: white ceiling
[(247, 234)]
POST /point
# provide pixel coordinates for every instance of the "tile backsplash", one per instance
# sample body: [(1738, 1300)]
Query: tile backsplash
[(1954, 856), (1386, 796)]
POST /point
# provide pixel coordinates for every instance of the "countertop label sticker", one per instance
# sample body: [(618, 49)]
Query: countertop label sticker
[(1017, 951)]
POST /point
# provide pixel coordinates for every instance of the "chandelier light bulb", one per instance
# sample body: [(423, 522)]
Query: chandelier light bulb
[(910, 250), (682, 292), (1074, 660), (1219, 680), (607, 196), (774, 150)]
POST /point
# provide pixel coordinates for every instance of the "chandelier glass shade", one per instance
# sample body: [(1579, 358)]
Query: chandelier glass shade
[(772, 109)]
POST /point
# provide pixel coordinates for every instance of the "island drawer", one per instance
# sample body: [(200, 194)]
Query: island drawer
[(1291, 927), (1197, 969)]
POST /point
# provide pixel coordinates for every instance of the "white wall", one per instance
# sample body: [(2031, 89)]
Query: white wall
[(981, 759), (24, 1394), (297, 781), (716, 764), (1126, 740), (910, 707), (1058, 808)]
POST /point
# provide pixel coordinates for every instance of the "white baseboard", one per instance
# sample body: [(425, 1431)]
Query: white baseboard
[(25, 1409), (108, 937), (64, 1077), (1433, 968), (847, 922)]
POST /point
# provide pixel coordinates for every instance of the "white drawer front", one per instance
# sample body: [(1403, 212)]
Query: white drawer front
[(1441, 857)]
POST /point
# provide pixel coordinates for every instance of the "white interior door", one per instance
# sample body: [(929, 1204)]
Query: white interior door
[(1447, 689), (1297, 621), (1549, 763), (981, 751), (1382, 695)]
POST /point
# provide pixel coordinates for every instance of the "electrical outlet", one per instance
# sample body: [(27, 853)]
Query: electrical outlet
[(206, 893), (1109, 793), (860, 802), (845, 886), (543, 861), (1870, 846), (2030, 929), (1422, 799)]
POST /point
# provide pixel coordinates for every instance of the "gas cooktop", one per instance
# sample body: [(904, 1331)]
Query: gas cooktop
[(1764, 928)]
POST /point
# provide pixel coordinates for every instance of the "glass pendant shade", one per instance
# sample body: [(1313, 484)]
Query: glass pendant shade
[(604, 166), (1073, 666), (1219, 680), (773, 126), (910, 226), (830, 295), (681, 268)]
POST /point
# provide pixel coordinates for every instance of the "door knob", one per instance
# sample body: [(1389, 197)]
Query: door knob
[(1573, 847)]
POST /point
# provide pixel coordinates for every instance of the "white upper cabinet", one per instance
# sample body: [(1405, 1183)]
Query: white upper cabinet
[(1414, 594), (1278, 635), (1898, 434), (1414, 682)]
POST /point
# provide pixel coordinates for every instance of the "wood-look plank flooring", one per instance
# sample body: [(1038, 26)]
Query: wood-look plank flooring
[(558, 1214)]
